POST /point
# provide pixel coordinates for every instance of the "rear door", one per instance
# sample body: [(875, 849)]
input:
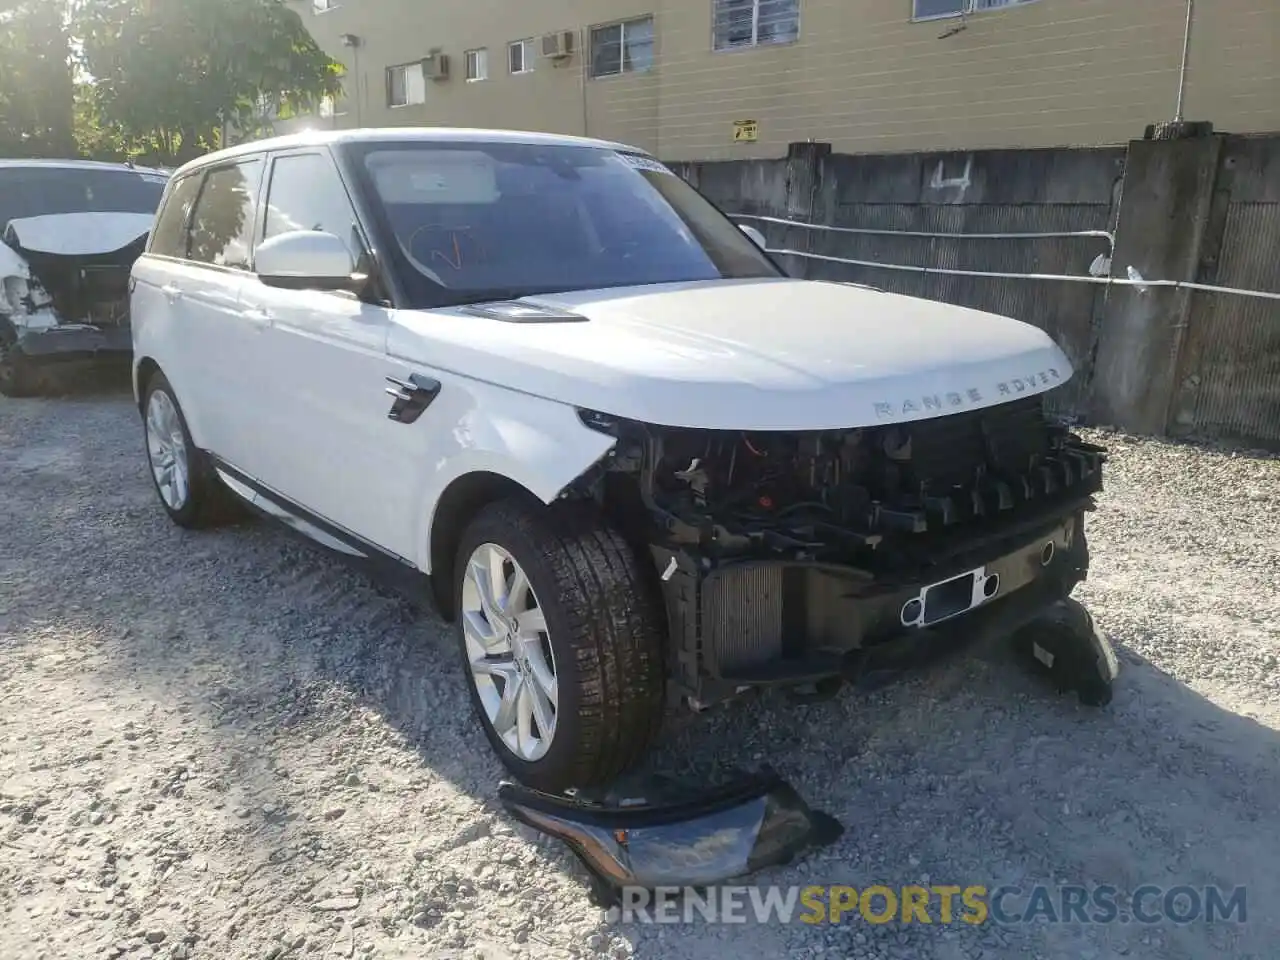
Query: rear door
[(186, 299), (212, 333), (320, 371)]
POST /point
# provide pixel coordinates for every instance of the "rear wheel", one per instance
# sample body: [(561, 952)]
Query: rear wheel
[(562, 643), (189, 490)]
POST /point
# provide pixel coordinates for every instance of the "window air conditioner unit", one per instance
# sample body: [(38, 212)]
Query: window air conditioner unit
[(435, 65), (557, 46)]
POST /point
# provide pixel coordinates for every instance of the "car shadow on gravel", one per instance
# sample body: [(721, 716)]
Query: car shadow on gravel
[(85, 381)]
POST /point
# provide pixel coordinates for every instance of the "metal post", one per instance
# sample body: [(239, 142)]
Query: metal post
[(1182, 70)]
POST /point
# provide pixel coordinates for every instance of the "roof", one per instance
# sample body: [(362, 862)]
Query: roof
[(315, 138), (77, 165)]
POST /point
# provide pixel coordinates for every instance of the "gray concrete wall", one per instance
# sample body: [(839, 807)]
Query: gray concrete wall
[(1163, 361)]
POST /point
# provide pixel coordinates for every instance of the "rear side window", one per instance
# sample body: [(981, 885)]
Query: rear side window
[(169, 238), (223, 222), (306, 193)]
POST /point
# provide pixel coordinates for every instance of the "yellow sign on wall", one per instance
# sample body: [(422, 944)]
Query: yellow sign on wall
[(745, 131)]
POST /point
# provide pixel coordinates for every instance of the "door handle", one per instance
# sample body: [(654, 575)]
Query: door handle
[(172, 292), (260, 318)]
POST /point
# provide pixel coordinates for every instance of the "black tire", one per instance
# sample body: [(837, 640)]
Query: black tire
[(17, 377), (208, 502), (606, 628)]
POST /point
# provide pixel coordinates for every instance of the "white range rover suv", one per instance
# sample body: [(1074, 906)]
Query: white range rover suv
[(546, 383)]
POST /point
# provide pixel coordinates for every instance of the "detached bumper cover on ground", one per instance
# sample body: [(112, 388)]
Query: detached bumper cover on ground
[(677, 836)]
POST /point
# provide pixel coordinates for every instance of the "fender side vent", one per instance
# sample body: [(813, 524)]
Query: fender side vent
[(515, 311)]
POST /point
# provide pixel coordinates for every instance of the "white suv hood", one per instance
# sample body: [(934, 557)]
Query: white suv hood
[(771, 354)]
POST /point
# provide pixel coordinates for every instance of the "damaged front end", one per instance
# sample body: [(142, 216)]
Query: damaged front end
[(64, 294), (809, 559)]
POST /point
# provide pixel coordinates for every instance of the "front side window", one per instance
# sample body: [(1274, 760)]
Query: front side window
[(625, 47), (38, 191), (406, 85), (477, 64), (306, 193), (752, 23), (223, 221), (468, 222), (169, 237), (520, 56)]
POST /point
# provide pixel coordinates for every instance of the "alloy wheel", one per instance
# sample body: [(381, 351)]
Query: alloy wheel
[(509, 652), (167, 450)]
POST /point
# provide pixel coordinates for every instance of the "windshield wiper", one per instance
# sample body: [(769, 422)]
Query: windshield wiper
[(505, 294)]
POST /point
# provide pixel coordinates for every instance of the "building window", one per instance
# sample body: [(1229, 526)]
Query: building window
[(328, 108), (323, 6), (753, 23), (520, 56), (406, 84), (625, 47), (477, 64), (935, 9)]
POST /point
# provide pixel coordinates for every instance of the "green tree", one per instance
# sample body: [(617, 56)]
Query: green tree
[(95, 139), (171, 75), (36, 81)]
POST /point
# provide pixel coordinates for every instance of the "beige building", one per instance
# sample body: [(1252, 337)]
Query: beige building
[(730, 79)]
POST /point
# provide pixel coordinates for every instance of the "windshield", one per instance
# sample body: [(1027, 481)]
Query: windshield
[(38, 191), (470, 222)]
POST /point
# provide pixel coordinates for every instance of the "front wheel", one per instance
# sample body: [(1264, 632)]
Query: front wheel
[(562, 642)]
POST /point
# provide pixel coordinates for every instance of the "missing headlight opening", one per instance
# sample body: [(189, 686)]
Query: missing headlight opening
[(882, 498), (787, 557)]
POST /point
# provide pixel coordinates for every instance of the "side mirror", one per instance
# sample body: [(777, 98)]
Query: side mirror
[(306, 260), (756, 236)]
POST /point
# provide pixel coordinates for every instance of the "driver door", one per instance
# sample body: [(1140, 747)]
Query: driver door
[(323, 365)]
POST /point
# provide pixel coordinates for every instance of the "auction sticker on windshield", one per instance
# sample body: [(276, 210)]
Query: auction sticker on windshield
[(638, 162)]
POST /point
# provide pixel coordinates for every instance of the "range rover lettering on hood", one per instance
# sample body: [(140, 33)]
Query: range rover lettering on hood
[(1036, 382)]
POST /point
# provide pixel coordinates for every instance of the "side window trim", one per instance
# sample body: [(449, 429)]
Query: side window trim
[(191, 216)]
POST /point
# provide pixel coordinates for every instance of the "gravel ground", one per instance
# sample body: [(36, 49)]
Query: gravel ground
[(229, 745)]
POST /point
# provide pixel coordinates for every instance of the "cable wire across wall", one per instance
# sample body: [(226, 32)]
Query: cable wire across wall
[(1133, 280)]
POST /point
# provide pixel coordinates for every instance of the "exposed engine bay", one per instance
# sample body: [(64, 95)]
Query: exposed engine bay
[(808, 559), (885, 498), (64, 291), (85, 288)]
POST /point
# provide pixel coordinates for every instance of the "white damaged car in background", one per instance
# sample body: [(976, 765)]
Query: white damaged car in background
[(71, 230)]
